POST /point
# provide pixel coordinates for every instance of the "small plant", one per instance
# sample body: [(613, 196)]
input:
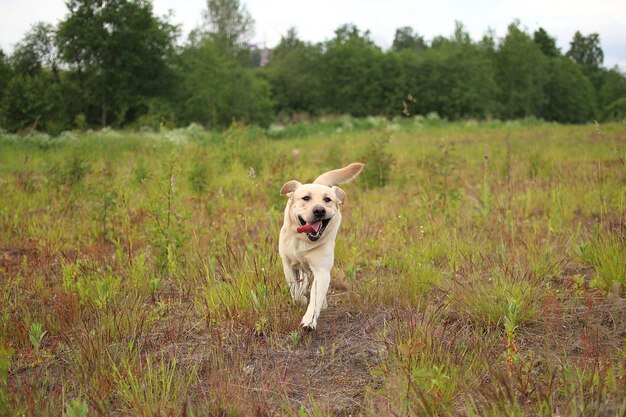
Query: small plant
[(534, 165), (80, 121), (606, 253), (153, 286), (486, 197), (167, 234), (510, 326), (6, 353), (198, 177), (446, 176), (294, 338), (107, 195), (76, 408), (36, 334), (141, 172), (378, 164)]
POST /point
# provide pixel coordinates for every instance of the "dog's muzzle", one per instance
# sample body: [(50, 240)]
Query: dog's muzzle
[(313, 230)]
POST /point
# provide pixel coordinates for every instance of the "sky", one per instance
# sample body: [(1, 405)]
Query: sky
[(317, 20)]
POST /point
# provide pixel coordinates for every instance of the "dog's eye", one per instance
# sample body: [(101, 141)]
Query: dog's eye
[(327, 199), (306, 198)]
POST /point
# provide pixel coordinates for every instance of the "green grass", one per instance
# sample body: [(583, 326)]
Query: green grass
[(479, 271)]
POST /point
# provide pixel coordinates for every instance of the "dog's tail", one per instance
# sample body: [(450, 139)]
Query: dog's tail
[(340, 175)]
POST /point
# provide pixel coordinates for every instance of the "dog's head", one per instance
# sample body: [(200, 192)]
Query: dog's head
[(314, 205)]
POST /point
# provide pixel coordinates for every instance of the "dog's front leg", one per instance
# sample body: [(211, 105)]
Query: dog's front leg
[(321, 281), (297, 283)]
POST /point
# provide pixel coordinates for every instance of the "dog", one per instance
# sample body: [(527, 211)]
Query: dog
[(307, 237)]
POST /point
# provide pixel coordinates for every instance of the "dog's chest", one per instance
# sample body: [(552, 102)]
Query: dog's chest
[(296, 254)]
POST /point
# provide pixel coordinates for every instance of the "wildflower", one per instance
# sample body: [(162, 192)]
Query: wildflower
[(251, 173), (172, 182)]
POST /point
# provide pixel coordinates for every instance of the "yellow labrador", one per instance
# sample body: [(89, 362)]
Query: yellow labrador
[(307, 238)]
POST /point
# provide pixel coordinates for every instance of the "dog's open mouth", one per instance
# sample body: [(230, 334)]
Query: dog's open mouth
[(313, 230)]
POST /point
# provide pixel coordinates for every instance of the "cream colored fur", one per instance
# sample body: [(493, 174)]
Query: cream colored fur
[(303, 257)]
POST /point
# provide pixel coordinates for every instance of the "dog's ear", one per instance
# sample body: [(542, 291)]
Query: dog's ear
[(289, 187), (341, 195)]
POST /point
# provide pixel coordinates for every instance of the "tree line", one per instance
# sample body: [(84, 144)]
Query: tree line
[(114, 63)]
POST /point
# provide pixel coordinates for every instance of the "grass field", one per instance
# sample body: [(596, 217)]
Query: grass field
[(480, 271)]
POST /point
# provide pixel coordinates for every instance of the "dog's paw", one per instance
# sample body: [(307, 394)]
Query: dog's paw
[(309, 322)]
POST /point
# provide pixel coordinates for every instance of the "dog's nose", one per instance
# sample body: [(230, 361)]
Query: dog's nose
[(319, 211)]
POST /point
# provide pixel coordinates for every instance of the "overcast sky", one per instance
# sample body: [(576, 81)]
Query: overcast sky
[(316, 20)]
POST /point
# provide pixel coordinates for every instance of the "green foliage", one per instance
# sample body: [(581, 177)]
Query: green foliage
[(445, 176), (456, 287), (606, 254), (71, 171), (587, 52), (616, 111), (158, 387), (167, 233), (198, 176), (36, 334), (116, 64), (569, 94), (455, 80), (378, 162), (76, 408), (487, 300), (521, 74), (612, 94), (546, 43), (406, 38), (229, 24), (118, 51), (6, 72), (6, 353), (352, 71), (294, 74), (216, 90), (98, 288)]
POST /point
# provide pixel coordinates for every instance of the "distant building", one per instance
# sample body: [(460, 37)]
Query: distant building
[(260, 55)]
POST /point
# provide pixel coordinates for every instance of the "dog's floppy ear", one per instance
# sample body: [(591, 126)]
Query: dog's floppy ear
[(289, 187), (337, 176), (341, 195)]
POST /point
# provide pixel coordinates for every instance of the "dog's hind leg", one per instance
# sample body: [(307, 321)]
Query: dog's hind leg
[(319, 289)]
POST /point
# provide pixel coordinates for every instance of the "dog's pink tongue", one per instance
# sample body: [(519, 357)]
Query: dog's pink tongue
[(317, 226), (310, 228), (307, 228)]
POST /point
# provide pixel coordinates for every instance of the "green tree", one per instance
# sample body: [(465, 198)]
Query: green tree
[(399, 85), (569, 93), (612, 95), (229, 24), (546, 43), (6, 73), (456, 79), (42, 101), (407, 38), (521, 73), (294, 74), (119, 51), (37, 95), (215, 89), (352, 73), (587, 52), (36, 50)]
